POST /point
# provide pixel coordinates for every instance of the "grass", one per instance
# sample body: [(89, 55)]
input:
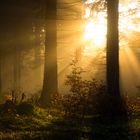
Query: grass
[(50, 124), (43, 125)]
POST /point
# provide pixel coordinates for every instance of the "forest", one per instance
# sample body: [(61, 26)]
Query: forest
[(70, 70)]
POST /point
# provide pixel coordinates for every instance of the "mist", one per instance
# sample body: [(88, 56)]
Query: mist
[(22, 48)]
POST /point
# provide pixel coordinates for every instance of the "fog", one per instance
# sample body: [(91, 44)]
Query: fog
[(22, 42)]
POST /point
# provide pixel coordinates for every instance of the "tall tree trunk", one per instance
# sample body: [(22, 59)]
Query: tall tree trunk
[(16, 70), (112, 48), (0, 74), (50, 69), (116, 107)]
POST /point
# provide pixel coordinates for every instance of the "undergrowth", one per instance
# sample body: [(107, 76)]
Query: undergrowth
[(71, 116)]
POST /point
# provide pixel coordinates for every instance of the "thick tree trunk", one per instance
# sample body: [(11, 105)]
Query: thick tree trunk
[(0, 75), (115, 106), (50, 69), (112, 48)]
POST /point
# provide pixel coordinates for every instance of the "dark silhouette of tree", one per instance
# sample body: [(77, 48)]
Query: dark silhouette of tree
[(16, 69), (112, 48), (116, 107), (50, 68), (0, 74)]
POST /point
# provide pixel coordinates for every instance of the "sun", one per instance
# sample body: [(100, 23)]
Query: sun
[(95, 33), (94, 37), (95, 29)]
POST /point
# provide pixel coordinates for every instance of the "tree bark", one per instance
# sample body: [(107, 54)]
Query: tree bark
[(115, 106), (50, 69), (112, 48), (0, 74)]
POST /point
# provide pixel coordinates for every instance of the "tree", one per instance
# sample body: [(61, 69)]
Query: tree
[(16, 69), (50, 68), (112, 42), (117, 107), (112, 48), (0, 74)]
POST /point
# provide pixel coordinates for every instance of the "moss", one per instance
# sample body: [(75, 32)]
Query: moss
[(25, 108), (50, 124)]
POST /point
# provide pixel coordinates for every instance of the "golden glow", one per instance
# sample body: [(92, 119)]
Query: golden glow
[(129, 70), (127, 19), (96, 27), (87, 13), (95, 32)]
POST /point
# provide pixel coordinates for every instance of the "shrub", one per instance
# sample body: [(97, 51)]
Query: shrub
[(8, 108), (84, 97), (133, 106), (25, 108), (14, 105)]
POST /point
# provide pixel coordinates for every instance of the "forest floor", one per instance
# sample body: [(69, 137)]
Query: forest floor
[(51, 125)]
